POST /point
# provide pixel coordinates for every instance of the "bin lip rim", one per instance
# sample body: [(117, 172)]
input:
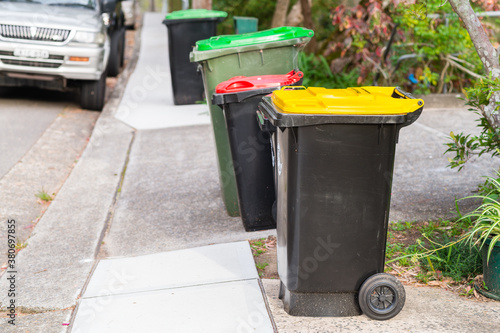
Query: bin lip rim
[(202, 55), (253, 38), (279, 119), (202, 14), (221, 99), (246, 18)]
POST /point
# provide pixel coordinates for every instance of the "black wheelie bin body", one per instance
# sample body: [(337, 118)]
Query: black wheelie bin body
[(334, 162)]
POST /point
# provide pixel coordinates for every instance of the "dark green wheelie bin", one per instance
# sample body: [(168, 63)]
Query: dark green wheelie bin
[(220, 58)]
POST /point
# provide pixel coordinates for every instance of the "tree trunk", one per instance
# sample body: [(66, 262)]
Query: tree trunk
[(294, 17), (152, 7), (280, 12), (308, 23), (487, 53), (202, 4), (174, 5)]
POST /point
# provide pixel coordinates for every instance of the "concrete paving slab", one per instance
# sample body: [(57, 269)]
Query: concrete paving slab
[(424, 188), (190, 267), (426, 310), (148, 100), (45, 166), (53, 268), (216, 308), (47, 322), (171, 197), (21, 124)]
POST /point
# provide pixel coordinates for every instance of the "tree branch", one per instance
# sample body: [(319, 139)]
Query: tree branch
[(484, 48)]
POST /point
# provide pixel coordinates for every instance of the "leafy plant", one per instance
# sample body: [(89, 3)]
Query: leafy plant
[(258, 247), (362, 32), (465, 146), (261, 267), (487, 218), (457, 261), (317, 73), (44, 196), (20, 245), (484, 227)]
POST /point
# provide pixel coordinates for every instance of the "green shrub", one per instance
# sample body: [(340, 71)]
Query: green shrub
[(317, 73), (457, 261)]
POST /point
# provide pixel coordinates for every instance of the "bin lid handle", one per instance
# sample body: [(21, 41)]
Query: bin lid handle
[(239, 85), (293, 87), (294, 76)]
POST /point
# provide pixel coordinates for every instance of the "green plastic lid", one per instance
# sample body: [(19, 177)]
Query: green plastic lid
[(194, 14), (260, 37)]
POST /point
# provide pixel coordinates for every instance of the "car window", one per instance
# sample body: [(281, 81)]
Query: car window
[(68, 3)]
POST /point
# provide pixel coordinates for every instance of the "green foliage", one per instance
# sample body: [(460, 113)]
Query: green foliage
[(322, 20), (317, 73), (262, 266), (454, 248), (44, 196), (433, 31), (457, 261), (360, 35), (465, 146), (439, 250), (486, 225)]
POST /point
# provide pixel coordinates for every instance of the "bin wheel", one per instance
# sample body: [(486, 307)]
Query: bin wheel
[(381, 296)]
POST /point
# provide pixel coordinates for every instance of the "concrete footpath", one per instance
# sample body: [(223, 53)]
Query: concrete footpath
[(138, 240)]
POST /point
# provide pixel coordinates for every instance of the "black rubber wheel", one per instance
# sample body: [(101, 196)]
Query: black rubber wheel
[(122, 47), (116, 52), (92, 94), (381, 296)]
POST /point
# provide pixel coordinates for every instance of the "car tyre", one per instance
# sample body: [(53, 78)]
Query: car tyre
[(116, 53), (92, 94)]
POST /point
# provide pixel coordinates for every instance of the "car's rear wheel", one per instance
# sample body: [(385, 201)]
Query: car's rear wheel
[(92, 94)]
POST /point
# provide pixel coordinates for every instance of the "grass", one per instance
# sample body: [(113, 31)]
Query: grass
[(261, 267), (20, 245), (407, 242), (44, 196), (258, 247)]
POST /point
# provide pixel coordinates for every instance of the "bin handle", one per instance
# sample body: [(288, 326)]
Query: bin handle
[(293, 88), (401, 93), (239, 84), (294, 77)]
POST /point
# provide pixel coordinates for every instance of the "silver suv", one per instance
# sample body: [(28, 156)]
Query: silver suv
[(62, 45)]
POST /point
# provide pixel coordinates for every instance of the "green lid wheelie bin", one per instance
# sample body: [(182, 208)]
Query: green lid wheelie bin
[(244, 24), (335, 152), (273, 51), (185, 28)]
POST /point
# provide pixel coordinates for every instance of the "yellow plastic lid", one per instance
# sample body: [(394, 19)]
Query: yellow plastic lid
[(350, 101)]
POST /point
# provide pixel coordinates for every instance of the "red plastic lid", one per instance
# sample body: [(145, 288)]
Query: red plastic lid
[(244, 83)]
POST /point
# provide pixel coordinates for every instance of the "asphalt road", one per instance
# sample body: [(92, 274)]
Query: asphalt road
[(25, 114)]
